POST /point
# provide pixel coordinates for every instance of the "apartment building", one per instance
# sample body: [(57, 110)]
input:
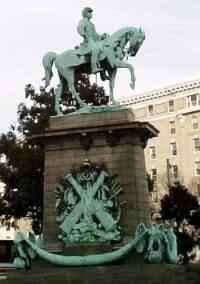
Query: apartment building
[(175, 154)]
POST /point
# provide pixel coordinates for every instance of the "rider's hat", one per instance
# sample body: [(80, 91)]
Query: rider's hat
[(86, 10)]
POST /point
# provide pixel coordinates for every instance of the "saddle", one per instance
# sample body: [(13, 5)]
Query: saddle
[(85, 49), (82, 49)]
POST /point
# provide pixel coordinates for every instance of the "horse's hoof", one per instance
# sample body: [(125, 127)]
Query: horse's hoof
[(114, 103), (85, 107), (82, 104), (132, 85)]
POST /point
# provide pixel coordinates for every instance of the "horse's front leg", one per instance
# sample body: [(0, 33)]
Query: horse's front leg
[(112, 76), (122, 64), (117, 63)]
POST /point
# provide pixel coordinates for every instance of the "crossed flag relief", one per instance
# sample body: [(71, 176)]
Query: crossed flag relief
[(88, 203)]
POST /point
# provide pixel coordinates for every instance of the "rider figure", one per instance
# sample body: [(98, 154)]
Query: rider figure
[(91, 38)]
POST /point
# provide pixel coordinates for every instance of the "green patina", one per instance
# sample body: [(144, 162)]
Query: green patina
[(87, 207), (95, 109), (98, 109), (102, 54), (158, 244)]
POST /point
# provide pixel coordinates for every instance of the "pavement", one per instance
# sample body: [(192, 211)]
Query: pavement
[(6, 266)]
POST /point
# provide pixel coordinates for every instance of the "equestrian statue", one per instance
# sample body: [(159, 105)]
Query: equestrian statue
[(102, 54)]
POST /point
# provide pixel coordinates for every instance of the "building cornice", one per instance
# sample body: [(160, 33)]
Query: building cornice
[(162, 92)]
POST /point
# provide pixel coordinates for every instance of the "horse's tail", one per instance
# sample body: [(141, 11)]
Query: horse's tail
[(47, 61)]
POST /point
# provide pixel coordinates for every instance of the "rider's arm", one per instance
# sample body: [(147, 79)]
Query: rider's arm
[(82, 30)]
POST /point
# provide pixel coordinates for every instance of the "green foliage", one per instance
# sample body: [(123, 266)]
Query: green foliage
[(91, 94), (33, 116), (178, 203), (22, 176), (22, 172), (195, 218), (181, 206)]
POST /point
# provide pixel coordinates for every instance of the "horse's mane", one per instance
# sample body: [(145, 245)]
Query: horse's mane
[(116, 36)]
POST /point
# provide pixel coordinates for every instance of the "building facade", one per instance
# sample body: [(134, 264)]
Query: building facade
[(175, 154)]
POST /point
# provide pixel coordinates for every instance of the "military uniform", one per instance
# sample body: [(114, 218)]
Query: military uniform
[(91, 41), (87, 30)]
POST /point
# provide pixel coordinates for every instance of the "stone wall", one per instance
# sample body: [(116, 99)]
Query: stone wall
[(114, 139), (113, 274)]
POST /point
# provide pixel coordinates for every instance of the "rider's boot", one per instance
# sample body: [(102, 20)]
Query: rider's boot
[(96, 69), (94, 63)]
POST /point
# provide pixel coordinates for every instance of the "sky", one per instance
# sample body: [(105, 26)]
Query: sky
[(28, 29)]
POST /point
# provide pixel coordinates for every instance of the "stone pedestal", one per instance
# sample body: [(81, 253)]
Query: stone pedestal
[(112, 138), (122, 273)]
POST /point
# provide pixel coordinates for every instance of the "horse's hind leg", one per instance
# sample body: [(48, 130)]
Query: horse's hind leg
[(59, 92), (112, 76), (69, 76)]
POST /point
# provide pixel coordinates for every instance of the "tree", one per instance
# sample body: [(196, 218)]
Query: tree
[(178, 206), (91, 94), (22, 172), (22, 176)]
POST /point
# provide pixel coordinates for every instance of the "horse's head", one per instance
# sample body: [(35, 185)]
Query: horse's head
[(136, 37)]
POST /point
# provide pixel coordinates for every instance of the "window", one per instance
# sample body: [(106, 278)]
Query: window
[(193, 100), (174, 171), (173, 148), (171, 106), (195, 123), (155, 196), (172, 127), (196, 144), (151, 109), (154, 175), (197, 168), (198, 189), (154, 178), (152, 150)]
